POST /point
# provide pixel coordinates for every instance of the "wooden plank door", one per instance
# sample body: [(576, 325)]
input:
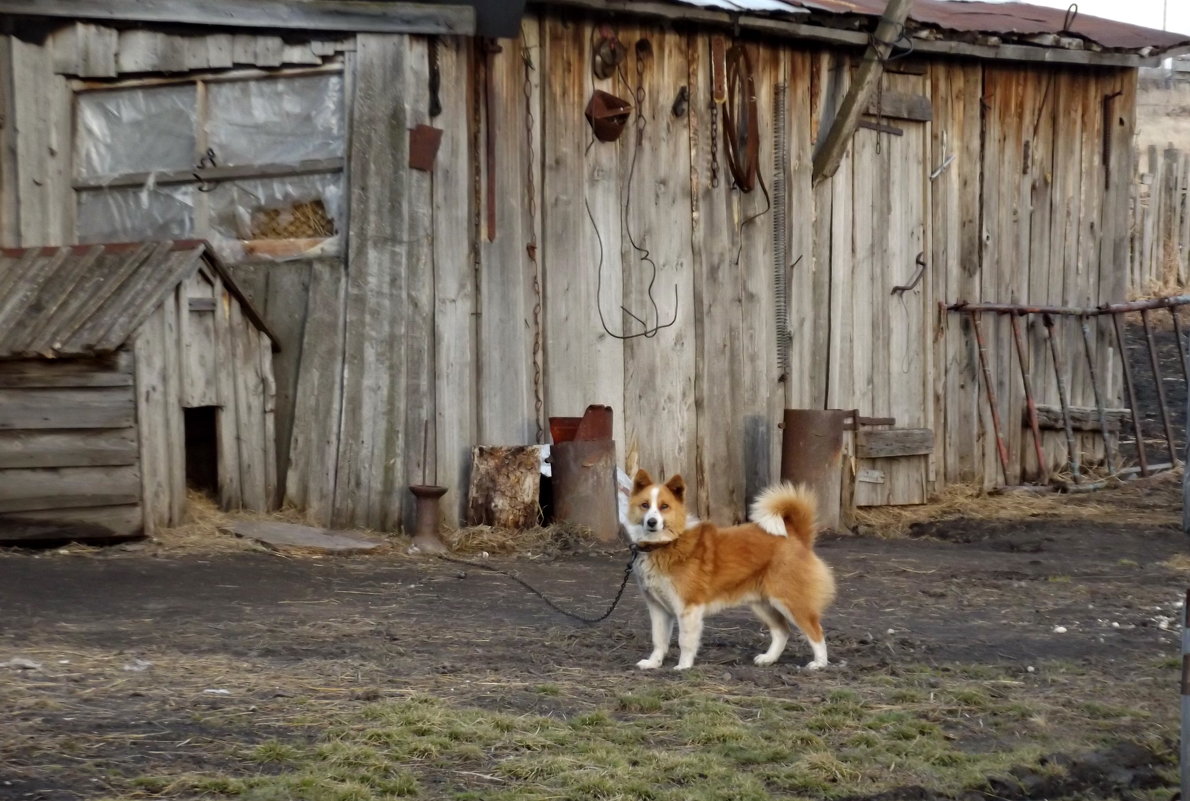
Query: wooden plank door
[(881, 350)]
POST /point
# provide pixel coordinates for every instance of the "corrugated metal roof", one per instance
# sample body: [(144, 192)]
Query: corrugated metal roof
[(1019, 19), (961, 19), (90, 299)]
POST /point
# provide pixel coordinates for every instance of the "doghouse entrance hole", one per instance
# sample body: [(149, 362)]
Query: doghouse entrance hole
[(202, 449)]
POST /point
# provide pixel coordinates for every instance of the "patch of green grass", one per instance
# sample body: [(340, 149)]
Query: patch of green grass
[(946, 729), (552, 690), (274, 751)]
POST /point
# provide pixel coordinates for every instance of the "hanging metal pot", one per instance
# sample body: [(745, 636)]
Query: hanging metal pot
[(608, 115)]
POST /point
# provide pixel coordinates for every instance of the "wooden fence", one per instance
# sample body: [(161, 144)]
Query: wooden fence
[(1160, 223)]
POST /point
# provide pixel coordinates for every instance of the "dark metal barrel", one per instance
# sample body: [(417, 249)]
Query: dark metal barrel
[(812, 454), (584, 486)]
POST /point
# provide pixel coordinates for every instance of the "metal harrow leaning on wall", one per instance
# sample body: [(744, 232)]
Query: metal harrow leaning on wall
[(1116, 310)]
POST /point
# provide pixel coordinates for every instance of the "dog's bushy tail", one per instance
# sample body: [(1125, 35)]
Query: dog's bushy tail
[(786, 510)]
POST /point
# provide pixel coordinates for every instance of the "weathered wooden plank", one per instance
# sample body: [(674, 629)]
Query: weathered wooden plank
[(270, 51), (63, 500), (85, 50), (456, 426), (230, 495), (197, 338), (112, 370), (1082, 418), (660, 423), (282, 292), (415, 449), (43, 312), (318, 399), (510, 320), (372, 434), (219, 50), (268, 390), (583, 287), (249, 411), (41, 117), (884, 444), (139, 50), (149, 347), (10, 210), (303, 539), (36, 488), (74, 523), (808, 321), (956, 248), (97, 407), (759, 400), (78, 448), (891, 104), (719, 459), (175, 426)]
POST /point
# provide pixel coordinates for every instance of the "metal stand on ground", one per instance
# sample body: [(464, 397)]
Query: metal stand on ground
[(1185, 750)]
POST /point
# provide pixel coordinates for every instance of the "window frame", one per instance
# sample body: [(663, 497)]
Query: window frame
[(200, 176)]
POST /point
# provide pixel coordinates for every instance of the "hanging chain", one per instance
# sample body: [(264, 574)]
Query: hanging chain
[(879, 109), (531, 247), (435, 107), (714, 144)]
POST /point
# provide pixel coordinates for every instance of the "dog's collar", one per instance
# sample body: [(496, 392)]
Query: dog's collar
[(646, 547)]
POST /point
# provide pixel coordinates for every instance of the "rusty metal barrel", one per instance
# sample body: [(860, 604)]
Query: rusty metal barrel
[(812, 454), (584, 485)]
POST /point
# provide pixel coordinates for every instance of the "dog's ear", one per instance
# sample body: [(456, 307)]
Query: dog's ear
[(642, 480), (678, 487)]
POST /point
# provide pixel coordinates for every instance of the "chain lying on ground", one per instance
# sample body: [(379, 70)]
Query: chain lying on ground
[(539, 594)]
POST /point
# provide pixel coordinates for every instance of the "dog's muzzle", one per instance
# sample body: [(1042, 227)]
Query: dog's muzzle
[(654, 524)]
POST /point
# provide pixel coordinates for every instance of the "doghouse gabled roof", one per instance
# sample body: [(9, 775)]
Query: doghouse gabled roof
[(86, 300)]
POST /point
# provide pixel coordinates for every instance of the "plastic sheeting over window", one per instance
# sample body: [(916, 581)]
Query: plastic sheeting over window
[(136, 130), (174, 133), (283, 120), (126, 215)]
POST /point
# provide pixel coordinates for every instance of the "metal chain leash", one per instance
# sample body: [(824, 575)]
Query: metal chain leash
[(541, 595), (714, 144), (531, 247)]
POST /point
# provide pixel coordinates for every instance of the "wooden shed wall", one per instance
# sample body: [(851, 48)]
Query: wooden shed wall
[(434, 317), (68, 442)]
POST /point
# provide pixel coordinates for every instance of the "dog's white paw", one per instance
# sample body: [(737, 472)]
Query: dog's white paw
[(649, 664), (817, 664), (680, 666), (764, 659)]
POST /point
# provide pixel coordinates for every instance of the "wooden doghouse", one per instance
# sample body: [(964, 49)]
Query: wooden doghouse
[(127, 372)]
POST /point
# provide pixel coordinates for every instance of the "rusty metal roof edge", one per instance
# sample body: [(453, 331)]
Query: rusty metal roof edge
[(797, 27)]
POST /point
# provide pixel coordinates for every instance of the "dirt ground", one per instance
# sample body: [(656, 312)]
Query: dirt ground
[(175, 658), (118, 661)]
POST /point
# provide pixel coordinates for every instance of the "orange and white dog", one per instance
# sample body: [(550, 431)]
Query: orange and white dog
[(689, 571)]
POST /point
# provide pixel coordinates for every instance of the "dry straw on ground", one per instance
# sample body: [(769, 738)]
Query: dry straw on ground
[(1152, 501)]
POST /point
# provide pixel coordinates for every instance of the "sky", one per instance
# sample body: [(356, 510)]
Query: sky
[(1147, 13)]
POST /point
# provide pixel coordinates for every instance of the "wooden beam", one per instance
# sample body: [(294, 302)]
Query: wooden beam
[(893, 442), (311, 15), (863, 87), (901, 106), (1082, 418)]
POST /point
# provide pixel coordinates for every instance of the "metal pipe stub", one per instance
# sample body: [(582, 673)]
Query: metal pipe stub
[(426, 517)]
